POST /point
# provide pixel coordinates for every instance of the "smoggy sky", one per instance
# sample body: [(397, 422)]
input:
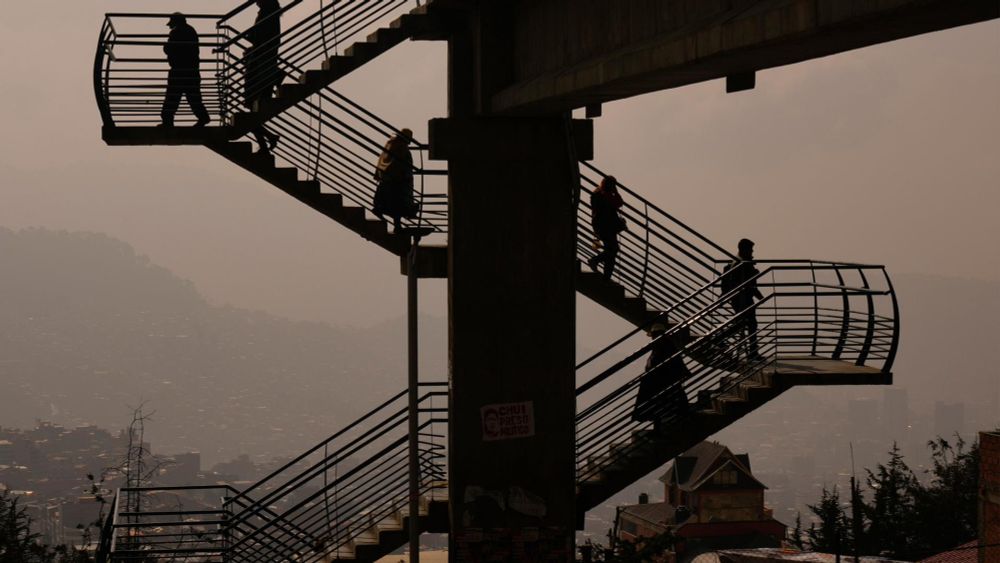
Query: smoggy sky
[(888, 154)]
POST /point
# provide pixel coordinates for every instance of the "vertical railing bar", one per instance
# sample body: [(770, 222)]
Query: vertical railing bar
[(870, 331)]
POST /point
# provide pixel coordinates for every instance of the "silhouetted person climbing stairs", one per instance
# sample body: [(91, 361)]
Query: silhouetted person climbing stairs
[(607, 222), (262, 71)]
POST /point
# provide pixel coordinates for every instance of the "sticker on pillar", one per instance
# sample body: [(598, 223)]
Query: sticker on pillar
[(508, 421)]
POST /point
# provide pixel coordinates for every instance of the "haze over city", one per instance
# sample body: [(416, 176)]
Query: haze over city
[(255, 326)]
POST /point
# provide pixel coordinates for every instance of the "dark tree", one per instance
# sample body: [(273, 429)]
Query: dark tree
[(834, 528), (19, 545), (891, 510), (797, 538), (946, 510)]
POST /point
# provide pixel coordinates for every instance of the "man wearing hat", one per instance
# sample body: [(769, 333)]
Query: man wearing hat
[(184, 78)]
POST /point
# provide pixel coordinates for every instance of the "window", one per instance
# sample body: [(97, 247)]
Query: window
[(725, 477)]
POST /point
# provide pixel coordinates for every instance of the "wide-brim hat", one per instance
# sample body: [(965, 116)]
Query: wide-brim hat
[(176, 18)]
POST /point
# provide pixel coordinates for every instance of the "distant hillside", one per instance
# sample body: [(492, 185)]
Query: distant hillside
[(88, 327)]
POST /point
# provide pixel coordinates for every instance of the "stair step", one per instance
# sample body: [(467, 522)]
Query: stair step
[(331, 202), (388, 35), (286, 175), (309, 186), (262, 160), (315, 78), (363, 50), (240, 149), (340, 64), (376, 226), (291, 91)]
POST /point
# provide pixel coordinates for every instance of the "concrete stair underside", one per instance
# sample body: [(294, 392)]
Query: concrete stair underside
[(644, 451)]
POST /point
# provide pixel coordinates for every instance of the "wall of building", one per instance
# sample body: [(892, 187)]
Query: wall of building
[(730, 506), (989, 487)]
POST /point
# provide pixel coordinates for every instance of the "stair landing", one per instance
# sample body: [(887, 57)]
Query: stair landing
[(151, 135), (814, 370)]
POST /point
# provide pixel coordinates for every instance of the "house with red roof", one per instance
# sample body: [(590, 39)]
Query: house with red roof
[(712, 501)]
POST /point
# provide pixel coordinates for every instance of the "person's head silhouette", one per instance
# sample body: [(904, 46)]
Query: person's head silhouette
[(176, 19), (746, 249), (609, 184)]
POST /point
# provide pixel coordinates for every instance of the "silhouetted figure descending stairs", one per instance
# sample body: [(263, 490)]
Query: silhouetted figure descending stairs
[(308, 192)]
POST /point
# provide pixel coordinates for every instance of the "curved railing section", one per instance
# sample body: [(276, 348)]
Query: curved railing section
[(130, 69), (327, 137), (815, 318)]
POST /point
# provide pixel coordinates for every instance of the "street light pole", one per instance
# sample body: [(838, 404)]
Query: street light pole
[(412, 343)]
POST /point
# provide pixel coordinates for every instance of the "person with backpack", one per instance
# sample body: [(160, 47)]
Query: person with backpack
[(607, 222), (394, 174), (661, 395), (739, 281), (263, 74)]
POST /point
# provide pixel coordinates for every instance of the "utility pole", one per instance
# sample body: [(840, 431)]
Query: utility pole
[(413, 381)]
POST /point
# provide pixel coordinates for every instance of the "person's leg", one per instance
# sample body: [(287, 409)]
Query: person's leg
[(751, 324), (193, 95), (171, 101), (610, 256), (261, 135)]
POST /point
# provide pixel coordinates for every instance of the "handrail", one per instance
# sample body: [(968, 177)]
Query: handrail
[(800, 310)]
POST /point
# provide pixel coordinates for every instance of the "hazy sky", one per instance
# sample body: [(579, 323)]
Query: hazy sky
[(888, 154)]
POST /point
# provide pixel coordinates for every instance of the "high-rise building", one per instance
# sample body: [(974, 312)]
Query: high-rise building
[(949, 419), (895, 413)]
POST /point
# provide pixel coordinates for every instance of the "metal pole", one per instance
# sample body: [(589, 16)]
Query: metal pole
[(412, 341)]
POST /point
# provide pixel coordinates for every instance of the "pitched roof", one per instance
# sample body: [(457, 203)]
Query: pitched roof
[(962, 554), (695, 466), (692, 464)]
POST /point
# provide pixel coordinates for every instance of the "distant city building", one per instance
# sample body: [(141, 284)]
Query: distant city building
[(989, 496), (949, 419), (863, 417), (895, 412), (777, 555), (713, 501)]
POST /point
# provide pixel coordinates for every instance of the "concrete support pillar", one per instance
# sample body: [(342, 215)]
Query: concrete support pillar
[(512, 313)]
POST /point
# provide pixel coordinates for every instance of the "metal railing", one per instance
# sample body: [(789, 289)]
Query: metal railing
[(131, 69), (327, 137), (314, 506), (661, 259), (173, 523), (337, 142), (830, 316), (312, 32), (321, 503)]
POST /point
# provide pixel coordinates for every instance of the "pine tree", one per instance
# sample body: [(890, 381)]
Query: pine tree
[(891, 512), (797, 538), (834, 529), (946, 510)]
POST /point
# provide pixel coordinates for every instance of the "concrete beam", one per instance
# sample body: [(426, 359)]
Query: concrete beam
[(574, 53)]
